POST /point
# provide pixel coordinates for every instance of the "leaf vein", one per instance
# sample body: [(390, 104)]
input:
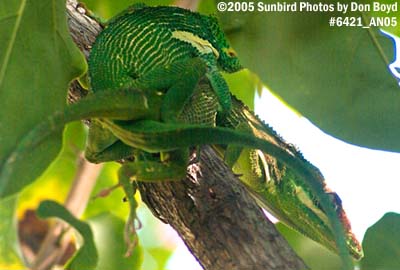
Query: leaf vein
[(12, 41)]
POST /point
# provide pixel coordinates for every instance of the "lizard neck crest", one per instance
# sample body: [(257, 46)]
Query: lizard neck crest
[(202, 45)]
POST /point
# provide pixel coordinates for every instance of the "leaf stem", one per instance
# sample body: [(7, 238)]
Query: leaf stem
[(375, 40)]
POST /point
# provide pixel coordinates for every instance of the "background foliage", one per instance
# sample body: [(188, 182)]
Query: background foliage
[(336, 77)]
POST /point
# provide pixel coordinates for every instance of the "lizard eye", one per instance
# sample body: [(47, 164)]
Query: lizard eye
[(231, 53)]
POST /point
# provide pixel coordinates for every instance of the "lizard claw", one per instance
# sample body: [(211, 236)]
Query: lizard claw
[(130, 236), (196, 156)]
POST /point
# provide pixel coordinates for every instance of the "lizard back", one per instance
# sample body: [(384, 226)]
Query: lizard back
[(141, 39)]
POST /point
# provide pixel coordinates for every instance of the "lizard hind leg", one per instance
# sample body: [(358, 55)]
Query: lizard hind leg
[(130, 236), (188, 74), (173, 168)]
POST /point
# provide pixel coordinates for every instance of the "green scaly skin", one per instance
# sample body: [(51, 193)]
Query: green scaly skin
[(170, 54), (150, 54), (150, 136), (269, 179), (144, 71)]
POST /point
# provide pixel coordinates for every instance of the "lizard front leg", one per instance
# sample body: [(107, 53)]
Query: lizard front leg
[(176, 82)]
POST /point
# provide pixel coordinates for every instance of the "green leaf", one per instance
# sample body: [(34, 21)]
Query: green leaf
[(161, 255), (9, 256), (113, 202), (335, 76), (382, 244), (55, 182), (86, 257), (37, 61), (158, 246), (382, 13), (109, 233)]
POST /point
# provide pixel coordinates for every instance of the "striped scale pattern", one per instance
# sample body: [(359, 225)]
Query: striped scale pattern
[(202, 106), (141, 39)]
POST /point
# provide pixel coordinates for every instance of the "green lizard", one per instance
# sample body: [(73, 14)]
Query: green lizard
[(278, 189), (143, 70), (191, 36)]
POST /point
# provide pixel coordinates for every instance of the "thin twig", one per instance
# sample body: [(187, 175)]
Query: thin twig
[(56, 241)]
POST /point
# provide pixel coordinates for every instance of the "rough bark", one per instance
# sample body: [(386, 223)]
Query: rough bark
[(210, 209)]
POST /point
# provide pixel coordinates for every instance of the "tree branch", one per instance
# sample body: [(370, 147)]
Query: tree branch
[(210, 209)]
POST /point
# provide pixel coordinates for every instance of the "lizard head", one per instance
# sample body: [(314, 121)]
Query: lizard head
[(227, 59)]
